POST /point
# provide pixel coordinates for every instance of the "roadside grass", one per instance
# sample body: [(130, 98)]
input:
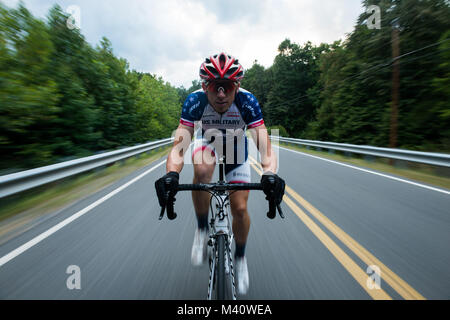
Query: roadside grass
[(59, 194), (428, 174)]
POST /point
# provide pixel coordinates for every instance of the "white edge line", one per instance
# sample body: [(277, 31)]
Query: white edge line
[(73, 217), (373, 172)]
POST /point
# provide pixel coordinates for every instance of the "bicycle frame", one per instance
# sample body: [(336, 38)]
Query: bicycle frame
[(220, 226)]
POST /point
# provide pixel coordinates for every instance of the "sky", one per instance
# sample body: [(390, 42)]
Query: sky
[(171, 38)]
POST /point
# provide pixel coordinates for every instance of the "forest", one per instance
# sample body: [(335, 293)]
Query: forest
[(343, 92), (61, 98)]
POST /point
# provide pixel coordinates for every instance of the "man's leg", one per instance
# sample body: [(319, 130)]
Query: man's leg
[(241, 219), (204, 164), (241, 227), (201, 199), (239, 172)]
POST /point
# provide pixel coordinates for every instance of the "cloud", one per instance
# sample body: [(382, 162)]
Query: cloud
[(171, 38), (235, 10)]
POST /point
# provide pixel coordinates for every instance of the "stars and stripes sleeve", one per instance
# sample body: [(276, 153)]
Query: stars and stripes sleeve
[(251, 110), (192, 109)]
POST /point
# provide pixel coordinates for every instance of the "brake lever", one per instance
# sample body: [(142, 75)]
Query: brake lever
[(169, 206), (170, 210), (272, 210), (280, 212), (161, 215)]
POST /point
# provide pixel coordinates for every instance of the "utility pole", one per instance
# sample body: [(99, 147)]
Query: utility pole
[(395, 83)]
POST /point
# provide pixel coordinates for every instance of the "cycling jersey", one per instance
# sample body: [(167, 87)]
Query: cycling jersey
[(243, 113)]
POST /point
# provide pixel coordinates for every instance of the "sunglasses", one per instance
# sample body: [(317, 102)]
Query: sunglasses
[(225, 86)]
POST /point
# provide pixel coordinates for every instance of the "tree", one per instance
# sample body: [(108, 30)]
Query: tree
[(28, 95), (62, 98), (294, 73), (357, 78), (258, 81)]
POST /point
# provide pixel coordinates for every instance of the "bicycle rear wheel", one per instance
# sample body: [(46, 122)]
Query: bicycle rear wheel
[(220, 271)]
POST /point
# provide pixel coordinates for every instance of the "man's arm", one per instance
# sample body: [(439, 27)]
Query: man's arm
[(183, 138), (269, 161)]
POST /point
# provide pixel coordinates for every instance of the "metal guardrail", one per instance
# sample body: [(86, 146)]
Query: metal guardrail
[(431, 158), (25, 180)]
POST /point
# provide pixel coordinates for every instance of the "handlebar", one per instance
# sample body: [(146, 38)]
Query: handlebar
[(219, 186), (216, 187)]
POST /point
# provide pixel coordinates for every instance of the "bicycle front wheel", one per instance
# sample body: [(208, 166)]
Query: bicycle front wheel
[(220, 271)]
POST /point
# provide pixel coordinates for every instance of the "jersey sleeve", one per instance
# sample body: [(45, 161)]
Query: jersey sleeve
[(250, 109), (193, 108)]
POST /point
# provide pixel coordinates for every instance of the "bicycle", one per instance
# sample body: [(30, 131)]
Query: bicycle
[(220, 231)]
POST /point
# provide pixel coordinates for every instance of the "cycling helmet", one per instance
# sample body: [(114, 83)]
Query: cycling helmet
[(221, 66)]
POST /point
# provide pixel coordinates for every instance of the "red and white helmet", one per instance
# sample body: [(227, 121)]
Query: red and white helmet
[(221, 66)]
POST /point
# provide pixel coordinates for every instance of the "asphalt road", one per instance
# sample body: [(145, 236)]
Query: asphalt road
[(339, 220)]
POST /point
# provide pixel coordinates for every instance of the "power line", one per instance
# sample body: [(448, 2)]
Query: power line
[(429, 46), (423, 56), (379, 66), (392, 60)]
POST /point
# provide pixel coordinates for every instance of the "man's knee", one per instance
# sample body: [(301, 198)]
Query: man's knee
[(239, 207), (203, 173)]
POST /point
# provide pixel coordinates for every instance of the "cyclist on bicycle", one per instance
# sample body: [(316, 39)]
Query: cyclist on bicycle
[(222, 111)]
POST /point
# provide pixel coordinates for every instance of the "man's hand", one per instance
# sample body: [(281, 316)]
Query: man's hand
[(273, 187), (166, 188)]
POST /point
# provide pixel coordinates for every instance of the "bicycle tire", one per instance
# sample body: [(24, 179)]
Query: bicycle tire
[(220, 271)]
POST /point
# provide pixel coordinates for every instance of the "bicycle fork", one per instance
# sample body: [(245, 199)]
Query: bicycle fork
[(233, 286), (221, 227), (229, 269)]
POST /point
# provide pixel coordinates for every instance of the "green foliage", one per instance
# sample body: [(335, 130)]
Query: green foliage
[(342, 92), (159, 106), (282, 132), (259, 82), (61, 98), (285, 90), (183, 92), (441, 89), (28, 94)]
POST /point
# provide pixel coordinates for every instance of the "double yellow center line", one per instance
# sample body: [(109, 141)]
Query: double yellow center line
[(399, 285)]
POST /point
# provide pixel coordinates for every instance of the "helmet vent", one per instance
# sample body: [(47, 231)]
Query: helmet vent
[(232, 70), (222, 61), (213, 71)]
